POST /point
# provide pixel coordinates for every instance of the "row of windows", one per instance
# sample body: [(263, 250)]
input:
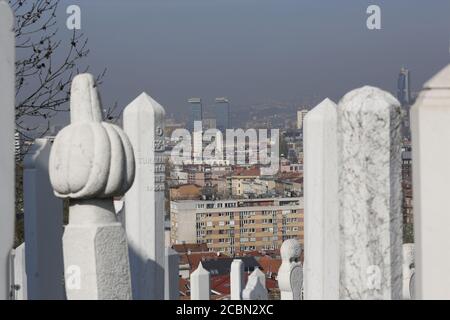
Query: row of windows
[(216, 205), (292, 229)]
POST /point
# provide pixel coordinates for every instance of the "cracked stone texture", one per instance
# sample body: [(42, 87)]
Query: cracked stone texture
[(369, 143)]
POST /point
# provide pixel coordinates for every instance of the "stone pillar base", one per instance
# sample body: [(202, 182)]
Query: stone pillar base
[(95, 253)]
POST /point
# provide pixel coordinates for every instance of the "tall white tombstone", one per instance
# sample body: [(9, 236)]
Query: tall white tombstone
[(91, 162), (237, 279), (143, 121), (43, 226), (261, 276), (255, 290), (200, 284), (290, 274), (408, 271), (321, 265), (430, 128), (7, 81), (370, 195), (20, 291), (171, 275)]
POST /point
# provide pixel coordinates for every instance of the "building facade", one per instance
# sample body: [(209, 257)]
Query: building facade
[(222, 111), (232, 226), (301, 114), (404, 87), (196, 112)]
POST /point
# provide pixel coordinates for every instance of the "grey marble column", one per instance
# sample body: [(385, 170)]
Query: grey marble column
[(369, 143)]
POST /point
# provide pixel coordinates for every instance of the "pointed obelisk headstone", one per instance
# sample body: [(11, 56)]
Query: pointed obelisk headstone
[(237, 279), (7, 81), (369, 142), (261, 276), (43, 226), (143, 121), (321, 266), (200, 284), (91, 162), (255, 290), (430, 127)]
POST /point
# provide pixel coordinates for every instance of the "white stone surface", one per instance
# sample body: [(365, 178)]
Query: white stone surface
[(369, 158), (90, 163), (90, 158), (171, 275), (290, 274), (143, 121), (321, 265), (7, 81), (200, 284), (408, 271), (255, 290), (430, 128), (43, 226), (20, 275), (261, 276), (236, 279)]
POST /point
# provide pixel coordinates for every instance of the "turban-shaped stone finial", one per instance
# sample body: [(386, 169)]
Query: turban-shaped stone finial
[(90, 158)]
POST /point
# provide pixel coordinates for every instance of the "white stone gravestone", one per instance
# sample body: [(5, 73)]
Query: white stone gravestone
[(370, 195), (290, 274), (20, 275), (321, 265), (7, 57), (171, 275), (255, 288), (91, 162), (43, 226), (261, 276), (408, 271), (236, 279), (430, 128), (200, 284), (143, 122)]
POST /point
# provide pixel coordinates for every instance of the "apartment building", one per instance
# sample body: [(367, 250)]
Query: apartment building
[(231, 226)]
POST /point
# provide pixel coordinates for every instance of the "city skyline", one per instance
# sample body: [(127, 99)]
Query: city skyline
[(257, 52)]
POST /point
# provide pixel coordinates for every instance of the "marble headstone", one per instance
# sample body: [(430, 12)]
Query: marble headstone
[(143, 122), (430, 128), (369, 143), (200, 284), (321, 266), (237, 279), (43, 226)]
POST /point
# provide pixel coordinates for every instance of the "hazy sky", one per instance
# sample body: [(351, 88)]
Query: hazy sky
[(258, 50)]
